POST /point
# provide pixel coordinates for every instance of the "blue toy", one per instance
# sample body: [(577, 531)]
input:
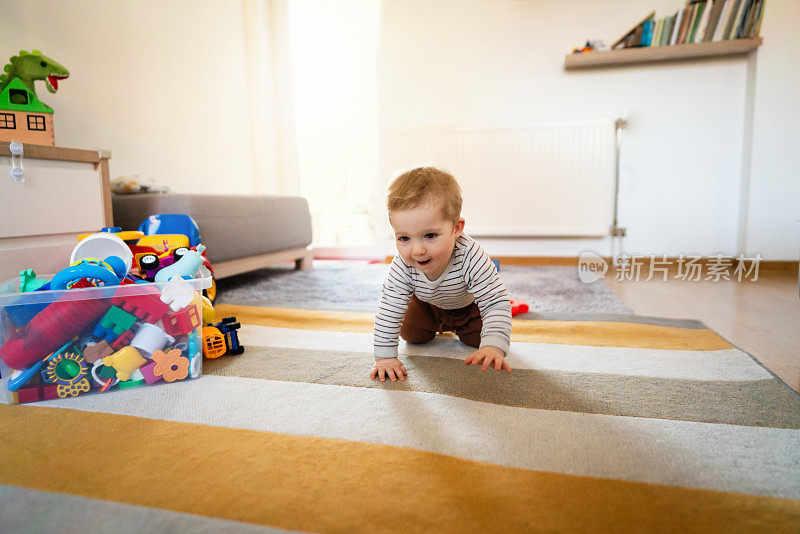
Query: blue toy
[(186, 267), (229, 327), (26, 374), (172, 223), (86, 268), (20, 315), (109, 272)]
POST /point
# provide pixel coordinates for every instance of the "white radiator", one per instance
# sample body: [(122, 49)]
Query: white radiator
[(546, 179)]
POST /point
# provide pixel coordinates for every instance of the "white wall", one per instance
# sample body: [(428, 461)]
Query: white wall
[(461, 61), (161, 84), (773, 215)]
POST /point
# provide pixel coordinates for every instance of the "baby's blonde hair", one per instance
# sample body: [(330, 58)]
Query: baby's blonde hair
[(422, 185)]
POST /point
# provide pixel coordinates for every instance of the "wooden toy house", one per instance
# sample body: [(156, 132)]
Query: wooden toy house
[(23, 117)]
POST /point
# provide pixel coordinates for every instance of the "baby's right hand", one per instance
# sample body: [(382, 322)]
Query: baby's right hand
[(392, 367)]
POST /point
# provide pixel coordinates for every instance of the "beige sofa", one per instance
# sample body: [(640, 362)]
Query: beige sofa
[(241, 233)]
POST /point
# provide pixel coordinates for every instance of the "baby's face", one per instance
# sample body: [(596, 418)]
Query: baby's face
[(424, 238)]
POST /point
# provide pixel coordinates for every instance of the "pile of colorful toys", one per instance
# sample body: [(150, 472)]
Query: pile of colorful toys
[(110, 320)]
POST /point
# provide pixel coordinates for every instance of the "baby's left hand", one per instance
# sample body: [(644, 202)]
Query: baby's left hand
[(488, 355)]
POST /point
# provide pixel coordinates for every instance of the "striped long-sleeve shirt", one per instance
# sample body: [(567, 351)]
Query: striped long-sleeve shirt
[(469, 277)]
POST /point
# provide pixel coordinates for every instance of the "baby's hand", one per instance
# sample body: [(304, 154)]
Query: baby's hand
[(392, 367), (488, 354)]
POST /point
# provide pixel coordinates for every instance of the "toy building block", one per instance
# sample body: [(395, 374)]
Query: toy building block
[(125, 384), (178, 293), (28, 395), (182, 322), (147, 307), (147, 372), (107, 372), (50, 391), (113, 324), (97, 351), (36, 393), (123, 340)]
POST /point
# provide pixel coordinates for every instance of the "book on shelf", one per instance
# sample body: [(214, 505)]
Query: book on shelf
[(699, 21), (633, 37), (719, 31), (698, 16), (676, 27), (715, 12), (688, 15)]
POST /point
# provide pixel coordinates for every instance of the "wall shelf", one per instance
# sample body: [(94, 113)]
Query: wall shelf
[(660, 54)]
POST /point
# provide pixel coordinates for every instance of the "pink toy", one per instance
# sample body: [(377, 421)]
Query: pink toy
[(147, 373), (146, 307), (49, 329)]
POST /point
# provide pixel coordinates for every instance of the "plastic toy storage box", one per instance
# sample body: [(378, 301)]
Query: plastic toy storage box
[(60, 344)]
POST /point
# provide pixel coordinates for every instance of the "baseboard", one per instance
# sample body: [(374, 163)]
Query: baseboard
[(302, 257)]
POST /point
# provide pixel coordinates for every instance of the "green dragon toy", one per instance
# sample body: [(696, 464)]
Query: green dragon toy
[(32, 66)]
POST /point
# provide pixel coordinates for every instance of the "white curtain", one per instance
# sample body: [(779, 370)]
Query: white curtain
[(270, 96)]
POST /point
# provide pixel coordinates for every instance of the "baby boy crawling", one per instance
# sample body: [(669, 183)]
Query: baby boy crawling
[(440, 280)]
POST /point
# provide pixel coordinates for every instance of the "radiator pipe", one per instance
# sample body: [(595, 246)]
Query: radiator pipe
[(617, 233)]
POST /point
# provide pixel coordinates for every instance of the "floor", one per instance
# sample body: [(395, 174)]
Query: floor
[(761, 317)]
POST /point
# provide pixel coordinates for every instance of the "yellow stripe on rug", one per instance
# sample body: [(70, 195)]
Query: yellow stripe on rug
[(323, 485), (591, 333)]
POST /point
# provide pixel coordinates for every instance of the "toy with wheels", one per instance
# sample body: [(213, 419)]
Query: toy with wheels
[(172, 223), (167, 238), (161, 241), (222, 338)]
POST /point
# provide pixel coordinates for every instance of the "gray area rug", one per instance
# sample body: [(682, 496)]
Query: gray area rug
[(355, 286)]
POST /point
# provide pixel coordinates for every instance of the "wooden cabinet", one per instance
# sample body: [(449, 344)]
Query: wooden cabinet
[(66, 192)]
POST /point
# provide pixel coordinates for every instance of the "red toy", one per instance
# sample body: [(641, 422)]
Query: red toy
[(519, 306), (123, 340), (50, 329), (146, 307), (182, 322), (37, 393)]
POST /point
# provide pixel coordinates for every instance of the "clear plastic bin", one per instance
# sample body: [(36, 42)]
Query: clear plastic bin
[(60, 344)]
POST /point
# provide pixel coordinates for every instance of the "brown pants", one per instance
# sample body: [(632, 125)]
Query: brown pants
[(422, 321)]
